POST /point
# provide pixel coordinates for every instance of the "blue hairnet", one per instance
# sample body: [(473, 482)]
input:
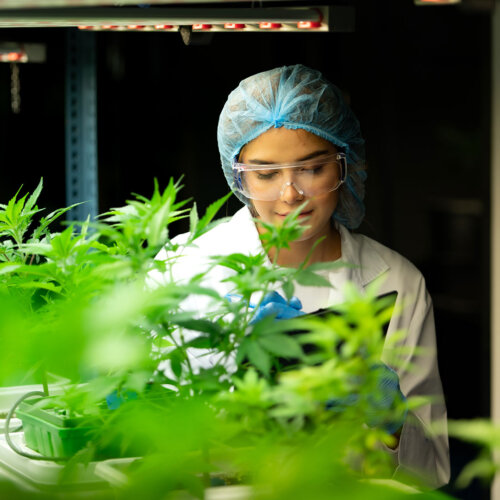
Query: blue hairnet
[(296, 97)]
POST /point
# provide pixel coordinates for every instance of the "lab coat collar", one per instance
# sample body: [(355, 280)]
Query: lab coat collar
[(362, 252), (357, 250)]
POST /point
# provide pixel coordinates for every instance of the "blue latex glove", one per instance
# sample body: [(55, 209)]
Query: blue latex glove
[(114, 400), (387, 396), (274, 304)]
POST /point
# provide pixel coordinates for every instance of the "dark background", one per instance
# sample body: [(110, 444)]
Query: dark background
[(418, 79)]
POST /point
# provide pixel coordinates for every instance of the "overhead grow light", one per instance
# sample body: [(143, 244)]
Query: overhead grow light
[(436, 2), (166, 18)]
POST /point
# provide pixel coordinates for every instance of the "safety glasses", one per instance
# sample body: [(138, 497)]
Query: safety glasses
[(309, 178)]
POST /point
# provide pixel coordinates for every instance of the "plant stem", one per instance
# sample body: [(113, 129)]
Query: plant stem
[(184, 351), (45, 383), (181, 348)]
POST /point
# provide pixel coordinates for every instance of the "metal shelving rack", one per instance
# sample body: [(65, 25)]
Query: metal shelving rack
[(81, 125)]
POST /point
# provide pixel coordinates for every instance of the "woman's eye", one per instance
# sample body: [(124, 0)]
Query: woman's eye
[(267, 176), (316, 169)]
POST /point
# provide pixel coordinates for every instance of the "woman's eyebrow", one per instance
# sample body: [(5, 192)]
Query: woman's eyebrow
[(310, 156), (315, 154)]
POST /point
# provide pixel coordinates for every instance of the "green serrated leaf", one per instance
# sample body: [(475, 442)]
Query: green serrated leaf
[(258, 357), (176, 363), (34, 197), (36, 248), (199, 325), (46, 221), (44, 286), (242, 351), (281, 345), (158, 225), (483, 468), (203, 223), (308, 278), (162, 343), (288, 289), (193, 218), (199, 343), (9, 267)]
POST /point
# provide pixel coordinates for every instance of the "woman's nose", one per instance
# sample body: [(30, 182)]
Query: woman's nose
[(291, 193)]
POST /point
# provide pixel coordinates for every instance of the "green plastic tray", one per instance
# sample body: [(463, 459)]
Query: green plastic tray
[(54, 435)]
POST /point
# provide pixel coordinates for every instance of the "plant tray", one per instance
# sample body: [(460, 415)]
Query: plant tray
[(43, 475), (114, 472), (54, 435), (9, 395)]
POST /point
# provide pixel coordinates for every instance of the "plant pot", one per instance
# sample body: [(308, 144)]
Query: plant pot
[(52, 434)]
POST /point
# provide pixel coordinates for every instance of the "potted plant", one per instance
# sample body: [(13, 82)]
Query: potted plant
[(52, 286), (78, 303)]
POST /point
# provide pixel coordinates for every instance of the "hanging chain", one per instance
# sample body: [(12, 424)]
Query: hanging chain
[(15, 89)]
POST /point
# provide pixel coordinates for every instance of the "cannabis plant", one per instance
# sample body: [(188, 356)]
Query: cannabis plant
[(80, 302)]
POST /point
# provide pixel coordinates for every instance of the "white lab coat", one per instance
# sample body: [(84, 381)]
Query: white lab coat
[(418, 453)]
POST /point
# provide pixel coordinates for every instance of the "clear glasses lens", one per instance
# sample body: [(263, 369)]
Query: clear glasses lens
[(310, 178)]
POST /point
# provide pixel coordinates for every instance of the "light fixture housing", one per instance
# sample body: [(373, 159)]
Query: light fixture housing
[(14, 52), (212, 18), (437, 2)]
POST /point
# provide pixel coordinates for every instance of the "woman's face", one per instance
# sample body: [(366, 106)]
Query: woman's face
[(282, 145)]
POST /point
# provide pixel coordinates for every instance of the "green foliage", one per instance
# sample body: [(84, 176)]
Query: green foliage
[(83, 304), (16, 218), (139, 230), (486, 435), (279, 237)]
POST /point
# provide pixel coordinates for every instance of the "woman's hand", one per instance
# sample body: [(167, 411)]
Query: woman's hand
[(274, 304), (387, 401), (388, 397)]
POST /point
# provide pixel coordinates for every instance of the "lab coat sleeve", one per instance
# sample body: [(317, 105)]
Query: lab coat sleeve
[(185, 264), (422, 453)]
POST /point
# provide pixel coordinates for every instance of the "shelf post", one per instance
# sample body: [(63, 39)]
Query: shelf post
[(81, 125)]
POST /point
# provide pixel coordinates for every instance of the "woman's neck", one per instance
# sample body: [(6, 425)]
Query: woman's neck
[(329, 249)]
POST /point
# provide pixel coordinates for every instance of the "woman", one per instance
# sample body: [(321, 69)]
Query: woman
[(287, 139)]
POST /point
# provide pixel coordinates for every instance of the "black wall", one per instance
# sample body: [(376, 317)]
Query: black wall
[(419, 81)]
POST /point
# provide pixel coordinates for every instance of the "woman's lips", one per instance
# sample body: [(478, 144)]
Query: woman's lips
[(302, 214)]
